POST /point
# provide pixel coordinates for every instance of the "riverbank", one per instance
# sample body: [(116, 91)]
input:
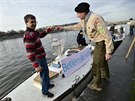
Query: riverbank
[(7, 37), (17, 34), (11, 35)]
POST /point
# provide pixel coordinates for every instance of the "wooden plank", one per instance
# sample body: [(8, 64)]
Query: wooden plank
[(131, 46), (51, 75)]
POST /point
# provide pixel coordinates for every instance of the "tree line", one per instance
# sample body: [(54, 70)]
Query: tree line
[(16, 34), (11, 34)]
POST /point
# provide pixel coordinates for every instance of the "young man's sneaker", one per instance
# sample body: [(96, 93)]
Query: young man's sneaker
[(93, 87), (7, 99), (51, 86), (49, 94)]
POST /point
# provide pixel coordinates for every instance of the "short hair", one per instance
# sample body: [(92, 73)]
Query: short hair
[(29, 16)]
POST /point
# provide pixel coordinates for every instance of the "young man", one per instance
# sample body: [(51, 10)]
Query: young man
[(95, 28), (36, 53)]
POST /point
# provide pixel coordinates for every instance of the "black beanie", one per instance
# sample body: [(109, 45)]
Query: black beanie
[(82, 7)]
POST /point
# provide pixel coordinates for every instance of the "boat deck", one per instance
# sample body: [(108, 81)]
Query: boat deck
[(118, 87)]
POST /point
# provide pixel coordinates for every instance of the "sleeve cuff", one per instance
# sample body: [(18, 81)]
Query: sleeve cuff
[(35, 65)]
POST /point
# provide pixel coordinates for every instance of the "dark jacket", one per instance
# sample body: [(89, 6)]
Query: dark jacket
[(80, 40)]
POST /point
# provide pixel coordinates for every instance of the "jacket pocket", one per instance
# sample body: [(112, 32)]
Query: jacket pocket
[(92, 32)]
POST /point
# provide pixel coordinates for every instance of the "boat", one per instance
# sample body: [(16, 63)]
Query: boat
[(118, 36), (119, 33), (70, 72)]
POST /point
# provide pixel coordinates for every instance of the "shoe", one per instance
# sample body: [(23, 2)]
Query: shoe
[(51, 86), (49, 94), (7, 99), (93, 87)]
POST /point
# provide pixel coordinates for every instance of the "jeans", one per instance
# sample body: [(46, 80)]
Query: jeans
[(44, 75)]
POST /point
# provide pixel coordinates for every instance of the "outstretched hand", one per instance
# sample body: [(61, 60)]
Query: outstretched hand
[(48, 29), (59, 28)]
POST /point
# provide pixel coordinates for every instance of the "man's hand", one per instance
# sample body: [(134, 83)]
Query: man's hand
[(48, 29), (59, 28), (38, 69), (108, 56)]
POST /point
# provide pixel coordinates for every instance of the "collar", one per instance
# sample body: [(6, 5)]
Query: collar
[(87, 16)]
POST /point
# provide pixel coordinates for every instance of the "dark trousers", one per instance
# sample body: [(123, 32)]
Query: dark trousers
[(44, 75), (100, 65)]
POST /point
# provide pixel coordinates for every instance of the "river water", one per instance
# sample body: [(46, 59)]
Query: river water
[(14, 65)]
